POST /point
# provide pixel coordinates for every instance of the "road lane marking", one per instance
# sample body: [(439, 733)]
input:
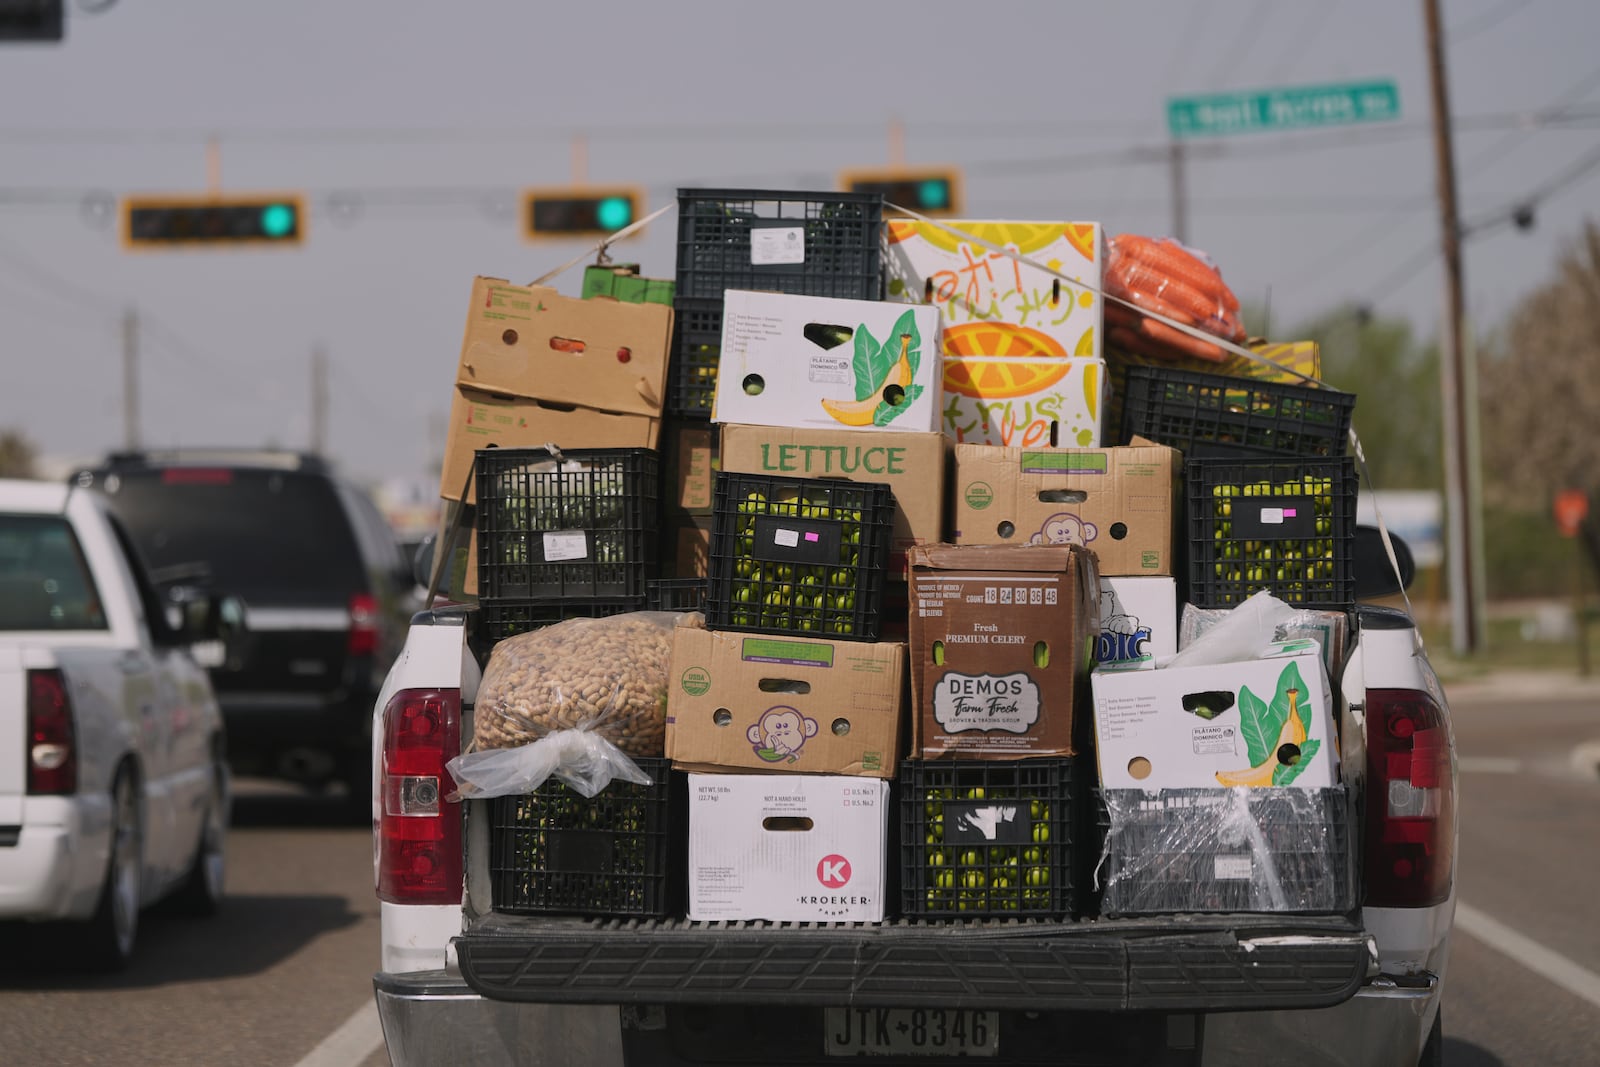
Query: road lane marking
[(357, 1038), (1490, 764), (1529, 953)]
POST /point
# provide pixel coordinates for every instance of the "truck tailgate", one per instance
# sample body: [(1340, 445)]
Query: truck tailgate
[(1184, 963)]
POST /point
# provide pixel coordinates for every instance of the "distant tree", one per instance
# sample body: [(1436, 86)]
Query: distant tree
[(1539, 390), (17, 456), (1396, 382)]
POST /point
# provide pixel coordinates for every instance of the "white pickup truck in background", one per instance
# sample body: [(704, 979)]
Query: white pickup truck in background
[(113, 788)]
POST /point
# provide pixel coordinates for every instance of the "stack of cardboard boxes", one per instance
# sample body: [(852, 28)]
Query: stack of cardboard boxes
[(936, 685)]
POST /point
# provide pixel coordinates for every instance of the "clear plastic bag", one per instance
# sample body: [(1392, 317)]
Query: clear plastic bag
[(1225, 850), (576, 700), (1238, 634), (1327, 628)]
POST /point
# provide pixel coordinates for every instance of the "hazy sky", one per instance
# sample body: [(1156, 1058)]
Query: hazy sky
[(421, 120)]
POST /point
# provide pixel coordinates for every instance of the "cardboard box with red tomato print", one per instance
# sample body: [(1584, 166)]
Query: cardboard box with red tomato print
[(1022, 356)]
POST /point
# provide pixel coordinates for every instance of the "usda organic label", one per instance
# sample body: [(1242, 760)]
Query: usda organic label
[(696, 681), (979, 496)]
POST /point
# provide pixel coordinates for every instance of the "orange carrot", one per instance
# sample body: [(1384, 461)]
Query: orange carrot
[(1168, 258), (1161, 333)]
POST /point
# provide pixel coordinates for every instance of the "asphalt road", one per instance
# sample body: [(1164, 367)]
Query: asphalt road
[(1529, 861), (283, 977)]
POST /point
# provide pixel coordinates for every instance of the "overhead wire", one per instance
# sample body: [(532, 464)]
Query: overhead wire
[(1482, 23)]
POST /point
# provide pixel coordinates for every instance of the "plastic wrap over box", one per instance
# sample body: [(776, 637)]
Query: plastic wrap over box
[(1228, 850)]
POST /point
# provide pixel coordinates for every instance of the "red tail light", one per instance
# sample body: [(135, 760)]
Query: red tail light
[(52, 755), (419, 832), (363, 625), (1410, 801)]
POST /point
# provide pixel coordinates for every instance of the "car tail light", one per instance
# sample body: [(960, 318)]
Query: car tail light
[(419, 831), (1410, 800), (52, 755), (363, 639)]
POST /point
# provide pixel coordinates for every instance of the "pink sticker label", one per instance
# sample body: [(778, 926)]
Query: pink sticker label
[(813, 537)]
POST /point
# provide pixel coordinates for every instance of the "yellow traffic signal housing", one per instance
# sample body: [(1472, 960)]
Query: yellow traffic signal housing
[(579, 211), (202, 221), (931, 191)]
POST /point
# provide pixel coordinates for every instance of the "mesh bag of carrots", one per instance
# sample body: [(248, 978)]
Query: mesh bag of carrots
[(1165, 277)]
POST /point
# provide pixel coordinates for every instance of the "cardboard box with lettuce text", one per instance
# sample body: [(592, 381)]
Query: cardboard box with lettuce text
[(533, 342), (739, 701), (1001, 641), (1120, 502), (913, 465)]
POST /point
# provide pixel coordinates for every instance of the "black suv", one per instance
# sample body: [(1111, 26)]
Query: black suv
[(326, 592)]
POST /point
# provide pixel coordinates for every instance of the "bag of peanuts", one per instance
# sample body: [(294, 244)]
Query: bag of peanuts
[(576, 700)]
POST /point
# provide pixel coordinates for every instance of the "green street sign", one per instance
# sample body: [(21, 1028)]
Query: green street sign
[(1217, 114)]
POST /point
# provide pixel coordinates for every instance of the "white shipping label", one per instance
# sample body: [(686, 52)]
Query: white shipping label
[(1231, 868), (568, 544), (786, 538), (1272, 516), (833, 370), (777, 244), (1008, 702)]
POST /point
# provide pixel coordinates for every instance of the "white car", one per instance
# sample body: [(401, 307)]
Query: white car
[(114, 792)]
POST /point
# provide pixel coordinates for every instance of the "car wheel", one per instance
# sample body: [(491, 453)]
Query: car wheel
[(1433, 1051), (201, 894), (109, 936)]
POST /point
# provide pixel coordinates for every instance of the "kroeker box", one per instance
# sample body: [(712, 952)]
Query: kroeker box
[(1000, 651), (1121, 502), (787, 847), (811, 361)]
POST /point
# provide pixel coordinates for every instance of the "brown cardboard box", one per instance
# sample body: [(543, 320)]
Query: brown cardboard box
[(534, 342), (481, 420), (689, 463), (794, 705), (913, 465), (999, 649), (1120, 502)]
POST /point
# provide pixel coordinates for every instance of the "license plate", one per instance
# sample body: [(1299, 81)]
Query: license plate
[(910, 1032)]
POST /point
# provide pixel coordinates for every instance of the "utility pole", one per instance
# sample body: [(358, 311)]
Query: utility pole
[(1180, 207), (319, 400), (1460, 509), (130, 379)]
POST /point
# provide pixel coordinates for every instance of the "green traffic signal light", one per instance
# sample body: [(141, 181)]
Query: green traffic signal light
[(933, 194), (277, 220), (579, 211), (929, 191)]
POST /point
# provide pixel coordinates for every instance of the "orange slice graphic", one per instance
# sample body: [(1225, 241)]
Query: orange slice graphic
[(998, 379), (1081, 235), (1026, 237)]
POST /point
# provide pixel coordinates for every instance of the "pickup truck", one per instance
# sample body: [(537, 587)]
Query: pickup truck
[(463, 982), (114, 792)]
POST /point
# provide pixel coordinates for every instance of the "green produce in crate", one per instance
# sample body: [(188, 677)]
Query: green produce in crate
[(985, 878)]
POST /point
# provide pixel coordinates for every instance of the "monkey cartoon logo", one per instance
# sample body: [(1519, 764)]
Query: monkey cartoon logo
[(780, 734), (1064, 528)]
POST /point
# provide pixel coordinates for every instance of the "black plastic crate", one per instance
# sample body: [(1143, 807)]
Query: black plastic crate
[(1217, 415), (696, 352), (677, 594), (499, 619), (584, 525), (1218, 850), (1284, 525), (987, 838), (803, 557), (808, 243), (619, 853)]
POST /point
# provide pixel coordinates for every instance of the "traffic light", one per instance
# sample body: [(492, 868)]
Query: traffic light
[(580, 212), (212, 221), (32, 20), (936, 191)]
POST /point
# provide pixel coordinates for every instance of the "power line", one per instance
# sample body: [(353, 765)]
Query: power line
[(1243, 43), (1302, 37), (1470, 28)]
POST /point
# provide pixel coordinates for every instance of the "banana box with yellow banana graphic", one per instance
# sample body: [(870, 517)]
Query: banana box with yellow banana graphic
[(1265, 722), (816, 362)]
